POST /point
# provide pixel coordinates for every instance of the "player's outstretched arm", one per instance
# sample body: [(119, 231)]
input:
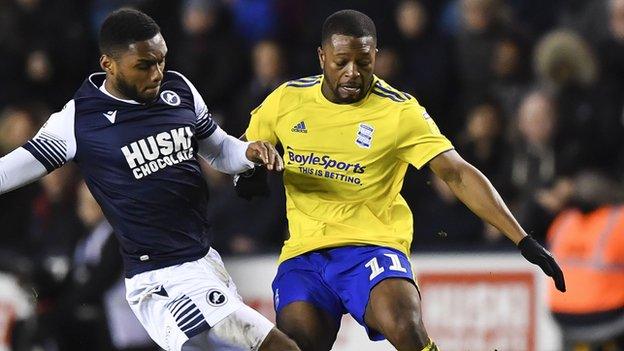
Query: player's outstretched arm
[(476, 192), (230, 155), (19, 168), (52, 147)]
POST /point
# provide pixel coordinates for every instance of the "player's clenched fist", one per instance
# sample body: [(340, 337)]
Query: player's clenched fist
[(264, 153)]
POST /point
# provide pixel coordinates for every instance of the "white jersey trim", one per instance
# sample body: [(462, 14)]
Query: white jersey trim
[(61, 126), (102, 88), (200, 104)]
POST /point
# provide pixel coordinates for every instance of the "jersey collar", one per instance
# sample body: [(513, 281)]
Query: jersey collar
[(102, 88)]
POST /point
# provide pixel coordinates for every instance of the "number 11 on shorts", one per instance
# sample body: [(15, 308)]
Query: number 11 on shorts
[(376, 270)]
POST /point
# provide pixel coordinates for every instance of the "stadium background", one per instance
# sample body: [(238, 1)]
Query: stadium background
[(529, 91)]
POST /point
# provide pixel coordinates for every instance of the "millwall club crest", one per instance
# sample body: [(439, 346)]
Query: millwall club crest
[(216, 298), (364, 136), (170, 97)]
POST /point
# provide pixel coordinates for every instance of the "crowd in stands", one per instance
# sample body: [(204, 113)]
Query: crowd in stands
[(531, 92)]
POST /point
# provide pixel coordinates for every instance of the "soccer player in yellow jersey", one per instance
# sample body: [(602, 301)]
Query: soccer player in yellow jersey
[(348, 138)]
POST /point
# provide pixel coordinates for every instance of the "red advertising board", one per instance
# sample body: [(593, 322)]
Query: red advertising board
[(480, 311)]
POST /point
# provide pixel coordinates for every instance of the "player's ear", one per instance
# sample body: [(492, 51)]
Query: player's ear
[(321, 56), (107, 64)]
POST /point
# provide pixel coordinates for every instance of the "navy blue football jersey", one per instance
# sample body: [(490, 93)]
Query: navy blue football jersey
[(140, 163)]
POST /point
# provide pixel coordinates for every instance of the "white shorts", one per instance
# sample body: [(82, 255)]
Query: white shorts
[(177, 303)]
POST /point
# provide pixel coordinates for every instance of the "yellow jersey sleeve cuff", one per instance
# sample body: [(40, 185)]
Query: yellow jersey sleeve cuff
[(420, 163)]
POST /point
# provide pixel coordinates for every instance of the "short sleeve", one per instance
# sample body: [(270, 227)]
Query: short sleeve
[(418, 138), (55, 143), (264, 119)]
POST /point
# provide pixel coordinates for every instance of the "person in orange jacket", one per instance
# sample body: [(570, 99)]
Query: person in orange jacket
[(588, 241)]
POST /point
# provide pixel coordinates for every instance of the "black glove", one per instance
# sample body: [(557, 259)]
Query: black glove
[(538, 255), (252, 183)]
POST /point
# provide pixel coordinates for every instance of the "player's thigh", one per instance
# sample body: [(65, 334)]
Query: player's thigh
[(177, 303), (307, 309), (244, 330), (358, 272), (394, 309), (311, 327)]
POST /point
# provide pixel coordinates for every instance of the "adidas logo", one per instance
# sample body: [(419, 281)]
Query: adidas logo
[(300, 128)]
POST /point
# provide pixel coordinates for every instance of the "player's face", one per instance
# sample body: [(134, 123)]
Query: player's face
[(347, 63), (139, 70)]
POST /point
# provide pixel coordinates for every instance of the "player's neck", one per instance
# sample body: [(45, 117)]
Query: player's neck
[(106, 90), (112, 90)]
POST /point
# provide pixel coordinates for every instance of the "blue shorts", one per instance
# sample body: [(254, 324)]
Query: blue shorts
[(339, 280)]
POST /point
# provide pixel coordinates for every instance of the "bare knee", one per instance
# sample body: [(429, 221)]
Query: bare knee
[(307, 339), (394, 310), (278, 341), (310, 327), (406, 332)]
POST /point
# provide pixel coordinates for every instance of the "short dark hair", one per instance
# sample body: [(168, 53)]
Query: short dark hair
[(124, 27), (348, 22)]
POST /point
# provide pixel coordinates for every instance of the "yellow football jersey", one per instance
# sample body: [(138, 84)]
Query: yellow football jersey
[(345, 163)]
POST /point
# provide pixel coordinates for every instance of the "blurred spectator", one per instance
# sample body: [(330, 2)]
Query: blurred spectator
[(562, 59), (535, 164), (427, 64), (79, 316), (16, 308), (534, 158), (482, 143), (565, 64), (54, 230), (55, 224), (588, 241), (268, 73), (388, 66), (16, 312), (52, 56), (483, 24), (16, 127), (509, 75), (210, 53)]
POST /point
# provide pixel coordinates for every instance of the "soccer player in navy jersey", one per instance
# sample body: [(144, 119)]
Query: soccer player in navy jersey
[(136, 132)]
